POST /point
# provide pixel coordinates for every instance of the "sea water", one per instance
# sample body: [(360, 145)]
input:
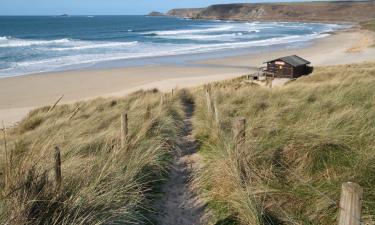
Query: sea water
[(34, 44)]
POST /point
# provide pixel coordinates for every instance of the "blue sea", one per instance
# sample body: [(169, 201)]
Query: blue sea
[(37, 44)]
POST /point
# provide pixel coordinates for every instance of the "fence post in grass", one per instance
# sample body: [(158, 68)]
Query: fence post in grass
[(216, 113), (161, 103), (350, 204), (148, 112), (208, 99), (58, 168), (6, 168), (239, 133), (54, 105), (124, 128)]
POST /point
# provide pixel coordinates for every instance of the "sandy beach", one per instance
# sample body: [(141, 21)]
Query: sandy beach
[(18, 95)]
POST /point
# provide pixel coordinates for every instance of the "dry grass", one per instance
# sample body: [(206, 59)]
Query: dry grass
[(303, 141), (103, 183), (369, 25)]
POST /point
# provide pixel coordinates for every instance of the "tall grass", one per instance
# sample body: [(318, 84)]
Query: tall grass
[(368, 25), (103, 183), (303, 141)]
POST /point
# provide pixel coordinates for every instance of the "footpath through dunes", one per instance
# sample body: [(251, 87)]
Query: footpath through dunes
[(181, 203)]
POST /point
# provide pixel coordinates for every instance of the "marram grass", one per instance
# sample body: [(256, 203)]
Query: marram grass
[(303, 141), (103, 183)]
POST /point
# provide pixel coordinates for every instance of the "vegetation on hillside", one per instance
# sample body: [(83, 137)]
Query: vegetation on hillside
[(368, 25), (303, 140), (102, 182), (298, 11)]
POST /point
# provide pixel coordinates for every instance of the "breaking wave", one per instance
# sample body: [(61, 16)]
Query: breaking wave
[(190, 31), (25, 56), (7, 42)]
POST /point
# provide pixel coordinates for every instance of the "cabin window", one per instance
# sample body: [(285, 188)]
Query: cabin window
[(281, 63)]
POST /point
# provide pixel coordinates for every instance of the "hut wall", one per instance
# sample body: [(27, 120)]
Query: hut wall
[(281, 70), (299, 71)]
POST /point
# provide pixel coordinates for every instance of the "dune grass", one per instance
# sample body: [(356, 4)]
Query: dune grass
[(368, 25), (303, 141), (103, 182)]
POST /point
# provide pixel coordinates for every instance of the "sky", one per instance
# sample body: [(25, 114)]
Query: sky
[(101, 7)]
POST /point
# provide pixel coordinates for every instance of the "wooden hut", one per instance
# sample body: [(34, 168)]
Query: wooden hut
[(287, 67)]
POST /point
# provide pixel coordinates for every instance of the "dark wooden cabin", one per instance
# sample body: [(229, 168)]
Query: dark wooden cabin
[(287, 67)]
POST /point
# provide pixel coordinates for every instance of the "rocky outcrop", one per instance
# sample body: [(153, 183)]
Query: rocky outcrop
[(155, 13), (185, 13), (349, 11)]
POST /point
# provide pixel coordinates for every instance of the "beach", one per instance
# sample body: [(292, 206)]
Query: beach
[(19, 95)]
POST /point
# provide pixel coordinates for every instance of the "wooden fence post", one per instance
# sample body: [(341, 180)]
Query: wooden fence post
[(74, 112), (148, 112), (54, 105), (124, 128), (6, 166), (216, 113), (161, 103), (58, 167), (239, 132), (351, 204), (208, 100)]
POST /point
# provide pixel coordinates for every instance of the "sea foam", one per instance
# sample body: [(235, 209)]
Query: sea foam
[(86, 43)]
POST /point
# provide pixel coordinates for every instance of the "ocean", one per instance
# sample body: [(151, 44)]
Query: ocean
[(35, 44)]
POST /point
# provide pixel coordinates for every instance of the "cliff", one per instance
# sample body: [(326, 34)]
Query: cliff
[(346, 11), (185, 13)]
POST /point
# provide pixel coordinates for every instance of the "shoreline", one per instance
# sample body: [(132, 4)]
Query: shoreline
[(178, 58), (354, 23), (20, 94)]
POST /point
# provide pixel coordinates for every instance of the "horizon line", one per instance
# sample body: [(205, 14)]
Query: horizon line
[(69, 15)]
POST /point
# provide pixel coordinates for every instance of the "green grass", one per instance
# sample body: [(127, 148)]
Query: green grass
[(303, 141), (103, 183)]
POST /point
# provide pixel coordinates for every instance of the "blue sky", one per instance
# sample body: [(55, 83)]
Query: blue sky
[(99, 7)]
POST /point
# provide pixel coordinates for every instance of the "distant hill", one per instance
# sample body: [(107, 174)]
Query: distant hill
[(186, 13), (155, 13), (346, 11)]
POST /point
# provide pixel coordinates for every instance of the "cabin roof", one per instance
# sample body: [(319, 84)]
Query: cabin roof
[(293, 60)]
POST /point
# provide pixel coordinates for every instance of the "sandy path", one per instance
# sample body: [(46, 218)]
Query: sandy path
[(181, 205)]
